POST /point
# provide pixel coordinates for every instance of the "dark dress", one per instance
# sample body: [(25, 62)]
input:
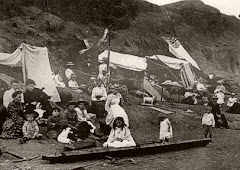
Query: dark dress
[(37, 95), (55, 126), (216, 112), (12, 127)]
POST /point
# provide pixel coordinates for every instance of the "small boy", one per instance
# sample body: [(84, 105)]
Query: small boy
[(208, 122), (55, 124), (30, 129), (166, 131)]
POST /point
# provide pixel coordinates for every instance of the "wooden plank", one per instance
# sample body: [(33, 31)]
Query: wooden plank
[(143, 149), (161, 110)]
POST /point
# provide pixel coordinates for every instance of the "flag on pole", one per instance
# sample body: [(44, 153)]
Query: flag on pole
[(177, 49)]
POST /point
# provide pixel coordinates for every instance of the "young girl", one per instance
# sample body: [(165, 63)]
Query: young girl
[(30, 129), (55, 124), (120, 135), (165, 129)]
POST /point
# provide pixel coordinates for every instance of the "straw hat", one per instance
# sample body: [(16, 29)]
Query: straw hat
[(70, 63), (81, 100)]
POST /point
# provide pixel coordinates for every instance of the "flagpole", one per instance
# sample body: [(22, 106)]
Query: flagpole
[(108, 59)]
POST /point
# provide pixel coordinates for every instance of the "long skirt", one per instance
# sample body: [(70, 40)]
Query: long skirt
[(11, 129), (98, 108)]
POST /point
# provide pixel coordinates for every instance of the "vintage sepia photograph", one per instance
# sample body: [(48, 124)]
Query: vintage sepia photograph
[(119, 84)]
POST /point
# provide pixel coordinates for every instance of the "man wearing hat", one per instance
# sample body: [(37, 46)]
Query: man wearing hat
[(69, 70), (83, 115), (217, 112), (81, 129)]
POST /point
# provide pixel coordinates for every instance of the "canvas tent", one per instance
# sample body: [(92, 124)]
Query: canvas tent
[(185, 75), (134, 64), (35, 65)]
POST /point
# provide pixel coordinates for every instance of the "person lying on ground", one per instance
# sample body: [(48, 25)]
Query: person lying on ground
[(36, 96), (30, 129), (12, 127), (83, 115), (69, 70), (7, 96), (120, 135), (208, 122), (217, 113), (55, 124), (166, 131), (80, 129)]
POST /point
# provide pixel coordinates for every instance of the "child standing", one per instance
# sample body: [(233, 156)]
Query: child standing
[(165, 129), (208, 122), (120, 135), (55, 124), (30, 129)]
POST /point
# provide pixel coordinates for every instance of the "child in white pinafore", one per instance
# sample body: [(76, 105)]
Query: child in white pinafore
[(165, 129), (120, 135)]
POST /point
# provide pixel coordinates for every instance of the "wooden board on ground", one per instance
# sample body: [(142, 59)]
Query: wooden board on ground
[(142, 149), (161, 110)]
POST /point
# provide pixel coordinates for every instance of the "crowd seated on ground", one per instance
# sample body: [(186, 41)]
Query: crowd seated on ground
[(78, 119)]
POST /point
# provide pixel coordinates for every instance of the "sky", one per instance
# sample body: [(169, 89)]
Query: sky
[(228, 7)]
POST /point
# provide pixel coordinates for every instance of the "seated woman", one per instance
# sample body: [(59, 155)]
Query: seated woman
[(114, 112), (99, 96), (188, 97), (234, 105), (231, 100), (80, 129), (58, 80), (120, 135), (113, 98), (12, 127), (36, 97)]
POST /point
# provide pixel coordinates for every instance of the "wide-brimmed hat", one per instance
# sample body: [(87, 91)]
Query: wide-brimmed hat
[(70, 63), (214, 97), (71, 103), (233, 94), (82, 100)]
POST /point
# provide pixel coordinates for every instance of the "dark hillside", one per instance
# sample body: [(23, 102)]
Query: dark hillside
[(137, 28)]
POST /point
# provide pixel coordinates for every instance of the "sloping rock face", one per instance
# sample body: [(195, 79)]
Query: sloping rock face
[(210, 37)]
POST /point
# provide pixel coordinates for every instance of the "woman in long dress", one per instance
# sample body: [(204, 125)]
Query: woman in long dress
[(12, 127)]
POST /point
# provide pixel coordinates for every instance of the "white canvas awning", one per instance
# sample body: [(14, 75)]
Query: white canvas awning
[(125, 61)]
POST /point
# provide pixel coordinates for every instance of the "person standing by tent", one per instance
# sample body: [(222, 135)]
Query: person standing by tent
[(217, 112), (69, 70), (12, 127), (35, 96)]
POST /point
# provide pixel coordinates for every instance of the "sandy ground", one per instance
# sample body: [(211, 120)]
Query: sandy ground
[(223, 153)]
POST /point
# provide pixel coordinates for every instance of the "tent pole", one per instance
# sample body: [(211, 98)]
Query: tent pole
[(108, 59)]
